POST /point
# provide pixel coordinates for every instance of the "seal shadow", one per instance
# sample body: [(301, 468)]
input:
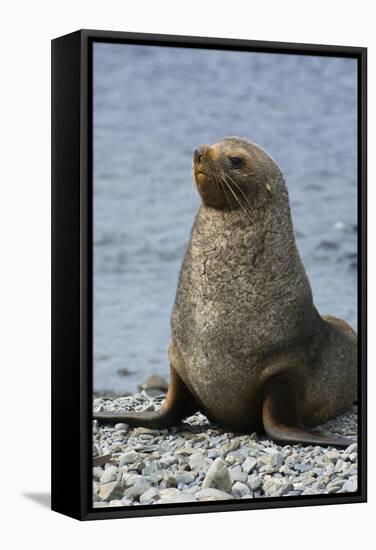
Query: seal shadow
[(43, 499)]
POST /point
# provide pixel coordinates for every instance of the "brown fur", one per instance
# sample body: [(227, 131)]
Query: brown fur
[(249, 348)]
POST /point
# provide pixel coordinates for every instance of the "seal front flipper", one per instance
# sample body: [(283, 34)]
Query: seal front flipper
[(178, 404), (281, 421)]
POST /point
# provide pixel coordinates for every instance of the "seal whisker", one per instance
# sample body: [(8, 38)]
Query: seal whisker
[(227, 177), (237, 199), (224, 190), (242, 192)]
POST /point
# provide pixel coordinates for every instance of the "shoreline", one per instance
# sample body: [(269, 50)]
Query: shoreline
[(200, 461)]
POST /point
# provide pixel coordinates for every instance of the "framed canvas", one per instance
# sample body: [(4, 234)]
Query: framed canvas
[(208, 340)]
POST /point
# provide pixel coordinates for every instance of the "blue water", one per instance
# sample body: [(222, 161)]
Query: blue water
[(152, 107)]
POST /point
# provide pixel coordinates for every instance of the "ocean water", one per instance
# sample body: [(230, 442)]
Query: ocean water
[(152, 107)]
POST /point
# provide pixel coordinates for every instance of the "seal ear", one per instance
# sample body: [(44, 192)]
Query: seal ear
[(281, 421), (269, 189)]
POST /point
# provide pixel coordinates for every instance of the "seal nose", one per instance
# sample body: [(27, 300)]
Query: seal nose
[(198, 154)]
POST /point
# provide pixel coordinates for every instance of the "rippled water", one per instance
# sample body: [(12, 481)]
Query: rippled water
[(152, 106)]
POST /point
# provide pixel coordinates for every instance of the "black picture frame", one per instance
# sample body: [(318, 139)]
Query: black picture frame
[(72, 286)]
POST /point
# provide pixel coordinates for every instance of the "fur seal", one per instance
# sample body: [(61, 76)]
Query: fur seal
[(249, 349)]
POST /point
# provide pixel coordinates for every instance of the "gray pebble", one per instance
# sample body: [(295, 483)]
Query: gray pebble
[(184, 477), (130, 457), (299, 467), (254, 483), (277, 487), (109, 474), (197, 461), (97, 473), (332, 455), (210, 493), (121, 427), (150, 495), (178, 464), (218, 477), (111, 491), (249, 464), (335, 486), (240, 490), (115, 503), (134, 492), (237, 474), (215, 453), (349, 486)]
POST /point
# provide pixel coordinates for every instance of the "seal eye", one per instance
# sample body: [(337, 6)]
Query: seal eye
[(236, 162)]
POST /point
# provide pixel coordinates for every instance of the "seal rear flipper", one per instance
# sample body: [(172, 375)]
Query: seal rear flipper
[(179, 404), (281, 421), (148, 419)]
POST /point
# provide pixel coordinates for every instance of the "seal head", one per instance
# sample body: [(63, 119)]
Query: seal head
[(234, 173)]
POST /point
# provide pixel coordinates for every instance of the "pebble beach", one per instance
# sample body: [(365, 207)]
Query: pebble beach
[(200, 461)]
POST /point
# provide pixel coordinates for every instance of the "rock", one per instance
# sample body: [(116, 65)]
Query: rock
[(254, 483), (197, 461), (116, 503), (151, 468), (299, 467), (309, 491), (277, 487), (121, 427), (340, 466), (332, 455), (237, 474), (185, 451), (215, 453), (213, 494), (174, 495), (306, 481), (318, 487), (148, 496), (111, 491), (335, 486), (130, 479), (141, 431), (230, 459), (234, 445), (130, 457), (353, 448), (168, 481), (270, 463), (249, 464), (349, 486), (97, 473), (240, 490), (101, 459), (184, 477), (134, 492), (167, 461), (109, 474), (218, 477), (136, 466)]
